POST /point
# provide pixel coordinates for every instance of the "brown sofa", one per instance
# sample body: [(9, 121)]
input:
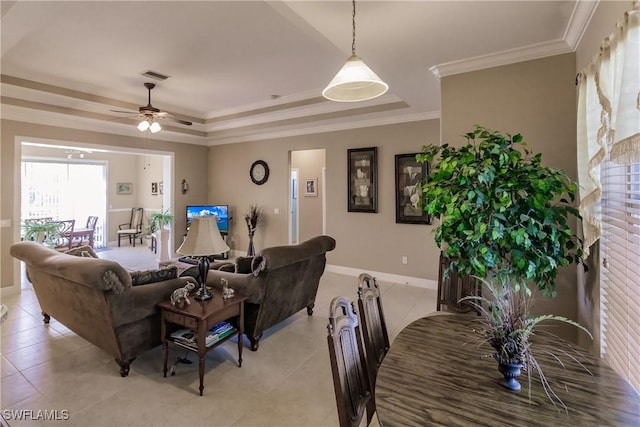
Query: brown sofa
[(95, 299), (278, 282)]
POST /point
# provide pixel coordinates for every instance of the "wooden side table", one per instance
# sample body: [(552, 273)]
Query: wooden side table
[(202, 316)]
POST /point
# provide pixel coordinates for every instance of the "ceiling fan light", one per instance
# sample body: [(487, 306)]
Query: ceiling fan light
[(155, 127), (143, 125), (355, 82)]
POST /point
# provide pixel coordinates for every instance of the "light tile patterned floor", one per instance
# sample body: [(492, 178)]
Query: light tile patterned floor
[(287, 382)]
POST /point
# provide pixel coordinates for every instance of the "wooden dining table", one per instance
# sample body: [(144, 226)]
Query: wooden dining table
[(438, 372)]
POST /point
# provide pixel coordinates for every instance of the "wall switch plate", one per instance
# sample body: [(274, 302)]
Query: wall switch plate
[(276, 211), (404, 260)]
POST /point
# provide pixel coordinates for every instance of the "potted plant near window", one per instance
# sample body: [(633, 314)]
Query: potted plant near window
[(160, 223), (41, 232), (504, 217)]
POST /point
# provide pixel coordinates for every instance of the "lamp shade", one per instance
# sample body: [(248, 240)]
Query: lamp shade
[(155, 127), (203, 238), (355, 82), (143, 125)]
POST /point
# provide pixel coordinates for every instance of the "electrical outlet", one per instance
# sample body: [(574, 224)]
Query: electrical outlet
[(404, 260)]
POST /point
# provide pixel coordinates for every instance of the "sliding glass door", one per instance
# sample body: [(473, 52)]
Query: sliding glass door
[(65, 190)]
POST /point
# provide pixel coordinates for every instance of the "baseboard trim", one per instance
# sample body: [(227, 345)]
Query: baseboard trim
[(387, 277)]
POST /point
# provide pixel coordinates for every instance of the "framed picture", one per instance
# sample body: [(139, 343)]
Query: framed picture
[(161, 187), (124, 188), (154, 188), (409, 178), (362, 173), (311, 187)]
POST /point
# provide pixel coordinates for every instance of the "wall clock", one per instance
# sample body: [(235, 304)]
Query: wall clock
[(259, 172)]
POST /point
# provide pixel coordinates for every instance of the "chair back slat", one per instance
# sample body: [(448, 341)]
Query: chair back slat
[(373, 325), (137, 218), (350, 376), (65, 234), (91, 222)]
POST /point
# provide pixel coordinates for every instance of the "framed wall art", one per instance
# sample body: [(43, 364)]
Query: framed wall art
[(154, 188), (409, 178), (311, 187), (362, 173), (124, 188)]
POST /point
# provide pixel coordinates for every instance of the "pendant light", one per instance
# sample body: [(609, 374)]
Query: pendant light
[(355, 81)]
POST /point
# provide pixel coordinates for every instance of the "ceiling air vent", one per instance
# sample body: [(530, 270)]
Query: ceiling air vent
[(154, 75)]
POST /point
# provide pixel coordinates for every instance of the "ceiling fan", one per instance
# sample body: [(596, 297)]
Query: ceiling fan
[(150, 115)]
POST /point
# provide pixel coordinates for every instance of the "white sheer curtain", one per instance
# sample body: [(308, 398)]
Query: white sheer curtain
[(608, 115), (609, 176)]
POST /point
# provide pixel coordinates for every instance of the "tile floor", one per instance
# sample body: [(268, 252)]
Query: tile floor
[(287, 382)]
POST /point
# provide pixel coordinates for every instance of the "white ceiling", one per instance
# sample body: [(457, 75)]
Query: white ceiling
[(70, 63)]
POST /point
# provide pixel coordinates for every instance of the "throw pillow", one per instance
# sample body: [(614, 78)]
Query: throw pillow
[(229, 268), (84, 251), (243, 264), (153, 276)]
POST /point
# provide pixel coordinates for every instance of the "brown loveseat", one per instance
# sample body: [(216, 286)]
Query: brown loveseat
[(95, 299), (278, 282)]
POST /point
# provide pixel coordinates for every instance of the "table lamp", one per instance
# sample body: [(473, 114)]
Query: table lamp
[(203, 239)]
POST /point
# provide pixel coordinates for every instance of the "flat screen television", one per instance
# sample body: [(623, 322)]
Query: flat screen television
[(221, 212)]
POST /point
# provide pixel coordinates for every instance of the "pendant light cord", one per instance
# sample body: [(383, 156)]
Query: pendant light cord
[(353, 21)]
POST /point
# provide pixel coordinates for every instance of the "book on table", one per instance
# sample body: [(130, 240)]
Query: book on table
[(189, 338)]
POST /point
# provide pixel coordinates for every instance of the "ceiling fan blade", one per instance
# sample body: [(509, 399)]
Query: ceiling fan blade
[(122, 111), (169, 116), (182, 122)]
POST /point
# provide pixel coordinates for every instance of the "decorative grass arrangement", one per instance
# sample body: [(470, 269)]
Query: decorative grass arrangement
[(253, 218), (508, 326)]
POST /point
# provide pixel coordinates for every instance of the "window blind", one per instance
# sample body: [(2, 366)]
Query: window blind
[(620, 273)]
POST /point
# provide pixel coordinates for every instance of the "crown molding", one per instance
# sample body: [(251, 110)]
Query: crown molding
[(329, 127), (48, 118), (580, 18), (506, 57)]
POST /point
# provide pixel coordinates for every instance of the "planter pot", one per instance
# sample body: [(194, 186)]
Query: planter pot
[(163, 245), (511, 372)]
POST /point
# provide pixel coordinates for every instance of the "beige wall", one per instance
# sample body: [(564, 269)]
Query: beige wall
[(190, 163), (309, 164), (367, 241), (534, 98)]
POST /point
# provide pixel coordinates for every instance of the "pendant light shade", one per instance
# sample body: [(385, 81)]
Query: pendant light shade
[(355, 81), (143, 125)]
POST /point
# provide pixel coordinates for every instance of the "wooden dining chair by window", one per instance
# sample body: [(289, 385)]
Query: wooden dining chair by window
[(64, 239), (372, 323), (354, 395), (132, 229), (85, 236)]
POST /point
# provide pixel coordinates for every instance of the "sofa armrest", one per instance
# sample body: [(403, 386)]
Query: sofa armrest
[(247, 284), (276, 257), (142, 301)]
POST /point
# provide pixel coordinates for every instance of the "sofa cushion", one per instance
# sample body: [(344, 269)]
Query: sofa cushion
[(153, 276), (85, 251), (229, 268), (243, 265)]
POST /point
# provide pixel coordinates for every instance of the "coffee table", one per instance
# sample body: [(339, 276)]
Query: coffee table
[(202, 316)]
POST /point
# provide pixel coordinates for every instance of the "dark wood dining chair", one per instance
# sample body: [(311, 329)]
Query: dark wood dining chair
[(372, 324), (354, 395), (133, 228)]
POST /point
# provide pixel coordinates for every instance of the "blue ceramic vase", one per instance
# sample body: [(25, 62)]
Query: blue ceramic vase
[(511, 372)]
